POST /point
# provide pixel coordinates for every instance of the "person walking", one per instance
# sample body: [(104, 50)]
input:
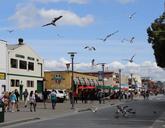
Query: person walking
[(13, 100), (17, 101), (53, 98), (25, 94), (45, 97), (32, 101)]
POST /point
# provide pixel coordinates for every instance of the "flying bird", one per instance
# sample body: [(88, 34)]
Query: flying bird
[(93, 62), (53, 22), (10, 31), (129, 40), (108, 36), (90, 48), (132, 15), (130, 60)]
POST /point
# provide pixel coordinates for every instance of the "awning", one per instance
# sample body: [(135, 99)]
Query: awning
[(81, 80), (86, 81), (95, 82), (76, 81), (86, 87), (91, 82), (107, 87)]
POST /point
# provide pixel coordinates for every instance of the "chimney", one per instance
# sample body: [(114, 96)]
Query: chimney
[(20, 41)]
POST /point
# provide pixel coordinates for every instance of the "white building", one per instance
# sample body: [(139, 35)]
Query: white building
[(25, 68), (3, 66)]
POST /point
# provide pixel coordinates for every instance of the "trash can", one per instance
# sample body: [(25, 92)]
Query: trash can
[(2, 111)]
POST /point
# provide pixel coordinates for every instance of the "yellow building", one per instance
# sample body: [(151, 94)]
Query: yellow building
[(62, 80)]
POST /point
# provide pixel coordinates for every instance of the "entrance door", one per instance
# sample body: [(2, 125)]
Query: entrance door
[(39, 86)]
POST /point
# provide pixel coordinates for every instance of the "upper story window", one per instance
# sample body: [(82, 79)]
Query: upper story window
[(31, 66), (22, 64), (20, 56), (14, 63), (30, 58)]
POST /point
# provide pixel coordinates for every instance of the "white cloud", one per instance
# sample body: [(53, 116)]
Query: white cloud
[(146, 69), (69, 18), (126, 1), (29, 16), (68, 1)]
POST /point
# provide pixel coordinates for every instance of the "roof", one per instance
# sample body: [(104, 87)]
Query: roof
[(12, 46)]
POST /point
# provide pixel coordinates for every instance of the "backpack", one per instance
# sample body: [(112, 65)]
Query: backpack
[(53, 96)]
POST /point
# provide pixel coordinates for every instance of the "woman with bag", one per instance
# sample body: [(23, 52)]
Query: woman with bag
[(32, 101)]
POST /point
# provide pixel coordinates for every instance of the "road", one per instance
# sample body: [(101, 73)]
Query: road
[(147, 113)]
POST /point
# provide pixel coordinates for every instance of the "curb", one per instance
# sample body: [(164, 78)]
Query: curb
[(18, 121)]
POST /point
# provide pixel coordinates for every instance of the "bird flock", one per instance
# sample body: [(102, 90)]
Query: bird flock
[(104, 39)]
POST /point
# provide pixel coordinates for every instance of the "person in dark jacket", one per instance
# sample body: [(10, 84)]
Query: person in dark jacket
[(17, 99)]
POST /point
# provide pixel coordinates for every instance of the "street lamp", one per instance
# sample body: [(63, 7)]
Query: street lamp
[(72, 82), (103, 64), (120, 84)]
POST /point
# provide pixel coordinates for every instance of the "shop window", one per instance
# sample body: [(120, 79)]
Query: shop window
[(14, 83), (30, 83)]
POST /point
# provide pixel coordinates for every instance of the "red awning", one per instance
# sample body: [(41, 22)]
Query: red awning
[(86, 87), (90, 87)]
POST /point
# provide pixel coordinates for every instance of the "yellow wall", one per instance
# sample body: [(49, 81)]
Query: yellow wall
[(66, 82)]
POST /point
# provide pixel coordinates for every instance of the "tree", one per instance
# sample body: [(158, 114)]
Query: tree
[(156, 37)]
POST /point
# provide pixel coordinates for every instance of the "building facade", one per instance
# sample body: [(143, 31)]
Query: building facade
[(63, 80), (3, 67), (25, 68)]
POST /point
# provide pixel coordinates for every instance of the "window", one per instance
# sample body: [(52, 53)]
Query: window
[(30, 58), (14, 63), (22, 64), (31, 66), (14, 83), (20, 56), (30, 83)]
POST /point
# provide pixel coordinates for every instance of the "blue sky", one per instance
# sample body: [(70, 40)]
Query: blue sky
[(83, 22)]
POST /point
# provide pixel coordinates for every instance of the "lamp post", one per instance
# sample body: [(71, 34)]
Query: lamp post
[(72, 54), (120, 84), (103, 64)]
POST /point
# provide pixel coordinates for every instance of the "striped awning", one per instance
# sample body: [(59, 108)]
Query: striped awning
[(76, 81)]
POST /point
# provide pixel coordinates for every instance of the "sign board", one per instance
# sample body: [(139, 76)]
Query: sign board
[(2, 76)]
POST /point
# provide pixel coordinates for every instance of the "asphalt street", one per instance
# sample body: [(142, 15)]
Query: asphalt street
[(147, 113)]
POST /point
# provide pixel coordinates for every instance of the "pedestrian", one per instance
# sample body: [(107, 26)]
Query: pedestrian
[(99, 96), (25, 94), (32, 101), (53, 98), (13, 100), (45, 97), (82, 96), (17, 101), (6, 101), (75, 97)]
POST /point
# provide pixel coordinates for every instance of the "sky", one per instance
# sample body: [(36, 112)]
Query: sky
[(84, 23)]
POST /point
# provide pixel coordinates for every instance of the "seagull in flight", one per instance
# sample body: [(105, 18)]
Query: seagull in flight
[(129, 40), (108, 36), (53, 22), (93, 62), (90, 48), (132, 15), (10, 31), (130, 60)]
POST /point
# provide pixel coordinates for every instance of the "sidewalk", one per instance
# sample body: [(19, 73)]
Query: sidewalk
[(62, 109)]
